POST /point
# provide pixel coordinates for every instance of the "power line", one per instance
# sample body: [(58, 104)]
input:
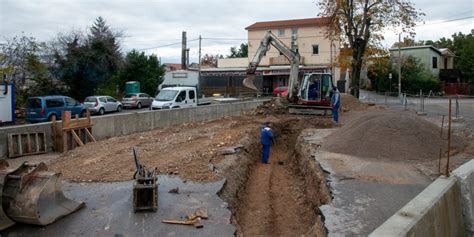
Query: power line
[(166, 45), (445, 21)]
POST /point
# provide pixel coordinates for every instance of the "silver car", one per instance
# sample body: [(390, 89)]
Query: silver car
[(137, 100), (102, 104)]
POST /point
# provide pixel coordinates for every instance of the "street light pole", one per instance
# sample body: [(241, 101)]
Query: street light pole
[(399, 66)]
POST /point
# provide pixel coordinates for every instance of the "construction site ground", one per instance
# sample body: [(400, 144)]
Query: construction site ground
[(215, 165)]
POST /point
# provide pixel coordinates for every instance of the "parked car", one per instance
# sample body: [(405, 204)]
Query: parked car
[(102, 104), (136, 100), (45, 108), (280, 90)]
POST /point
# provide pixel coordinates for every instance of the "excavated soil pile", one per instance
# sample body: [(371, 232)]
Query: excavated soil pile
[(396, 136), (349, 102), (276, 105)]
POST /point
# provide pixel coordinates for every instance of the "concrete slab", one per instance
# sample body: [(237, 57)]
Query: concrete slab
[(365, 192), (359, 207), (108, 211)]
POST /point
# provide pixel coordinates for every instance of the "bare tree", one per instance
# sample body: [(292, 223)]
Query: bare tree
[(360, 22)]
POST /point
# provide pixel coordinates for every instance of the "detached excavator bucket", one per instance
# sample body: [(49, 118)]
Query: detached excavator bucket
[(5, 221), (33, 195), (248, 82)]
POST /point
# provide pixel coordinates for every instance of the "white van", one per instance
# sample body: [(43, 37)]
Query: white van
[(180, 78), (175, 97)]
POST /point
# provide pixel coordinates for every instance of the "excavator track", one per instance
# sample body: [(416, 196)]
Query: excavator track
[(324, 111)]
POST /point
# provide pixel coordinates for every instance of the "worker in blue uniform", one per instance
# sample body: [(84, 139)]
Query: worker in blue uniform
[(335, 103), (266, 138)]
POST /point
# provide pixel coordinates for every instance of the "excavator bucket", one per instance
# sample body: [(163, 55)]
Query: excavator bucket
[(5, 221), (33, 195), (248, 82)]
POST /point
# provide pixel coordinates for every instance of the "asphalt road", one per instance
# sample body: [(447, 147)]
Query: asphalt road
[(433, 106)]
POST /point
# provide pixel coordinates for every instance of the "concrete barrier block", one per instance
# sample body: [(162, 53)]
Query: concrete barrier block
[(465, 176), (435, 212), (103, 126), (126, 123), (146, 119)]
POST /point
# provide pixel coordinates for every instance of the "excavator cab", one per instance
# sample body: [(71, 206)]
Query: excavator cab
[(316, 89)]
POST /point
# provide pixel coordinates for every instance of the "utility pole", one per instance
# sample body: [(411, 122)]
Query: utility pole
[(199, 61), (399, 65), (183, 50), (187, 57)]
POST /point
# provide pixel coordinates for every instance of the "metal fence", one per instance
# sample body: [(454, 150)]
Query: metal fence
[(423, 102)]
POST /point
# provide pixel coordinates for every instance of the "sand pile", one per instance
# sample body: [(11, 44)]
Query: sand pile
[(277, 105), (349, 102), (392, 136)]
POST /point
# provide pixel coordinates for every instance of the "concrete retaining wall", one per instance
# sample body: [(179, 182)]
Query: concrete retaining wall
[(444, 208), (127, 123), (465, 181)]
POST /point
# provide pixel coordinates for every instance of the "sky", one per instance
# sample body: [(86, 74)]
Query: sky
[(155, 26)]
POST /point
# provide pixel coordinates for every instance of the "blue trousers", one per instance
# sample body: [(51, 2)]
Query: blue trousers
[(335, 114), (265, 153)]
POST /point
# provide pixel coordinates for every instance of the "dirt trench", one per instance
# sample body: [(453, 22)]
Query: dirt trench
[(281, 198)]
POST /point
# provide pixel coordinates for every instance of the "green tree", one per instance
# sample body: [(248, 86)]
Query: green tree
[(86, 63), (241, 52), (144, 69), (415, 77), (360, 22), (379, 72)]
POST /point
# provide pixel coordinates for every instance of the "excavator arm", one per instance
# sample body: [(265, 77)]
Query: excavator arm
[(292, 55)]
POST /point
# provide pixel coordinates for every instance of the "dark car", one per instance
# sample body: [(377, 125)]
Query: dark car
[(45, 108), (136, 100), (280, 90)]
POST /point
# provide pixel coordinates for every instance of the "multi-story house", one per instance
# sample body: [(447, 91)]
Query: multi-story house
[(317, 54)]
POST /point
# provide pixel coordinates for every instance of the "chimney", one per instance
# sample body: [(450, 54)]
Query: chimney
[(183, 51)]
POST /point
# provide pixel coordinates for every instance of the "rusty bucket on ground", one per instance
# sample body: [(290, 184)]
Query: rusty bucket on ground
[(31, 194), (145, 188)]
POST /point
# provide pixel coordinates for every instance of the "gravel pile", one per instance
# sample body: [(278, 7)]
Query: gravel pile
[(392, 136)]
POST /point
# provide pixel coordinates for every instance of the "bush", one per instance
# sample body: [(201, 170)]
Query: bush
[(414, 77)]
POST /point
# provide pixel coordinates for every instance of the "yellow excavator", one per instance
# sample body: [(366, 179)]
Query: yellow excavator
[(311, 95)]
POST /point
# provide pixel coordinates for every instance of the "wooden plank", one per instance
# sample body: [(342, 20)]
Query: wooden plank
[(45, 148), (11, 152), (65, 145), (28, 143), (88, 115), (37, 142), (20, 147), (66, 118), (89, 135), (76, 138)]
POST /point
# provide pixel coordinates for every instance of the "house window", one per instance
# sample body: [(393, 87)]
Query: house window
[(435, 62), (281, 32), (445, 63), (315, 49), (294, 31)]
